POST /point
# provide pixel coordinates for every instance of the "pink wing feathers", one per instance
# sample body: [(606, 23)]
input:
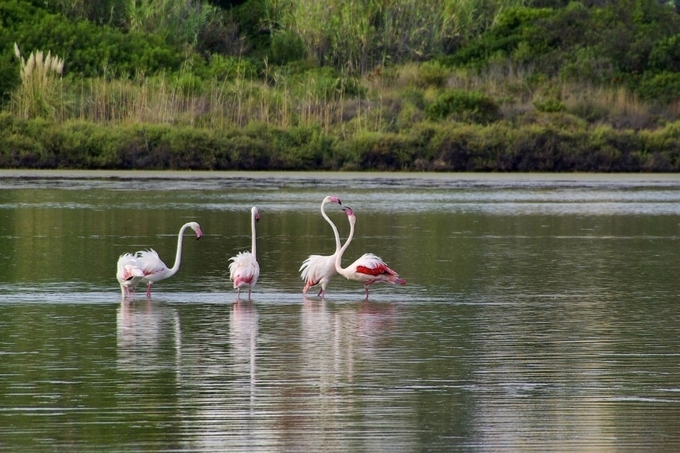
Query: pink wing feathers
[(374, 268)]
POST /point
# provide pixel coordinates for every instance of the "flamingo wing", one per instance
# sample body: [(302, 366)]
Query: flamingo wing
[(318, 270), (128, 269), (244, 270), (150, 262), (372, 267), (317, 267)]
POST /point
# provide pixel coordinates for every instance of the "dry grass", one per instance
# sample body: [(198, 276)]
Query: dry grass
[(285, 102)]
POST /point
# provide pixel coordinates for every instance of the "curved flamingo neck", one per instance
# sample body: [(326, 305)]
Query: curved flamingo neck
[(253, 221), (178, 257), (335, 229), (338, 257)]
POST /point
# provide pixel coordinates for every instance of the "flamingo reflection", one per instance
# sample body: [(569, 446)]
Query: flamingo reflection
[(143, 331), (243, 333)]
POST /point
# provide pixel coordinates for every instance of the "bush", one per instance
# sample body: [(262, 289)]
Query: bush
[(229, 68), (550, 105), (376, 151), (469, 106), (431, 73), (88, 50), (287, 46), (663, 87)]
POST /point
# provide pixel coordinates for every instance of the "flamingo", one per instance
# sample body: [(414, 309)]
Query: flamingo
[(129, 273), (319, 269), (369, 268), (152, 265), (245, 270)]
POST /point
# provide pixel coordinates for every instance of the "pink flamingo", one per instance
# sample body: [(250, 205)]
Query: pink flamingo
[(128, 273), (319, 269), (245, 270), (152, 265), (369, 268)]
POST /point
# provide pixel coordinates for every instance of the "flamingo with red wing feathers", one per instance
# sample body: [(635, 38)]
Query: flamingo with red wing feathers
[(368, 269)]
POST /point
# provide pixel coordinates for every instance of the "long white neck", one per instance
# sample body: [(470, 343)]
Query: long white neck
[(253, 221), (338, 257), (178, 257), (335, 229)]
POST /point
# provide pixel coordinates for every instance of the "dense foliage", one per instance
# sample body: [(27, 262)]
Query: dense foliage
[(496, 85)]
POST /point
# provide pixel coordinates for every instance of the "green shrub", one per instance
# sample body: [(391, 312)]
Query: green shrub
[(9, 76), (88, 50), (470, 106), (376, 151), (665, 54), (325, 84), (287, 46), (229, 68), (663, 87), (550, 105), (431, 73)]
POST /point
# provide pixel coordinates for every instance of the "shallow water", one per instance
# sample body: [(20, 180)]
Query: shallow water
[(541, 313)]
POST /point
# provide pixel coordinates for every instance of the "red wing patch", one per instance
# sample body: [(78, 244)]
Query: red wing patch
[(241, 279), (372, 271)]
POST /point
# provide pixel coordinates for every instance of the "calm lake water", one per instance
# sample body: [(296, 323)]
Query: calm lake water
[(541, 313)]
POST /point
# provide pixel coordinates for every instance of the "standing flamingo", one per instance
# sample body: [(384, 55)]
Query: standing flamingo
[(245, 270), (152, 265), (319, 269), (129, 273), (369, 268)]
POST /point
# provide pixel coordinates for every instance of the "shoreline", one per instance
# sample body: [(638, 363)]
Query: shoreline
[(334, 175)]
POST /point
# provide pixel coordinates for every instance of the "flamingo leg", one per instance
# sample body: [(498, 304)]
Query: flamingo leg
[(322, 293), (366, 287), (306, 288), (148, 290)]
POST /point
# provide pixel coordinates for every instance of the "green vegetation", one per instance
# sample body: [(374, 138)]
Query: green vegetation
[(446, 85)]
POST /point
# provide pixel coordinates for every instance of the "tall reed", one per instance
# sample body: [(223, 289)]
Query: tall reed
[(360, 35), (41, 91), (175, 20), (219, 104)]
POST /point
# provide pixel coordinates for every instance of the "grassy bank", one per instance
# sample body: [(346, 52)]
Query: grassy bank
[(545, 145)]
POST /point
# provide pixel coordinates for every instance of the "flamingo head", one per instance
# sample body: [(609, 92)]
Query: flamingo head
[(197, 228), (256, 213), (350, 214), (330, 199)]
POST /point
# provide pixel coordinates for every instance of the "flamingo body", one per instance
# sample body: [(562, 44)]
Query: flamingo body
[(244, 270), (154, 268), (369, 268), (129, 273), (320, 269)]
